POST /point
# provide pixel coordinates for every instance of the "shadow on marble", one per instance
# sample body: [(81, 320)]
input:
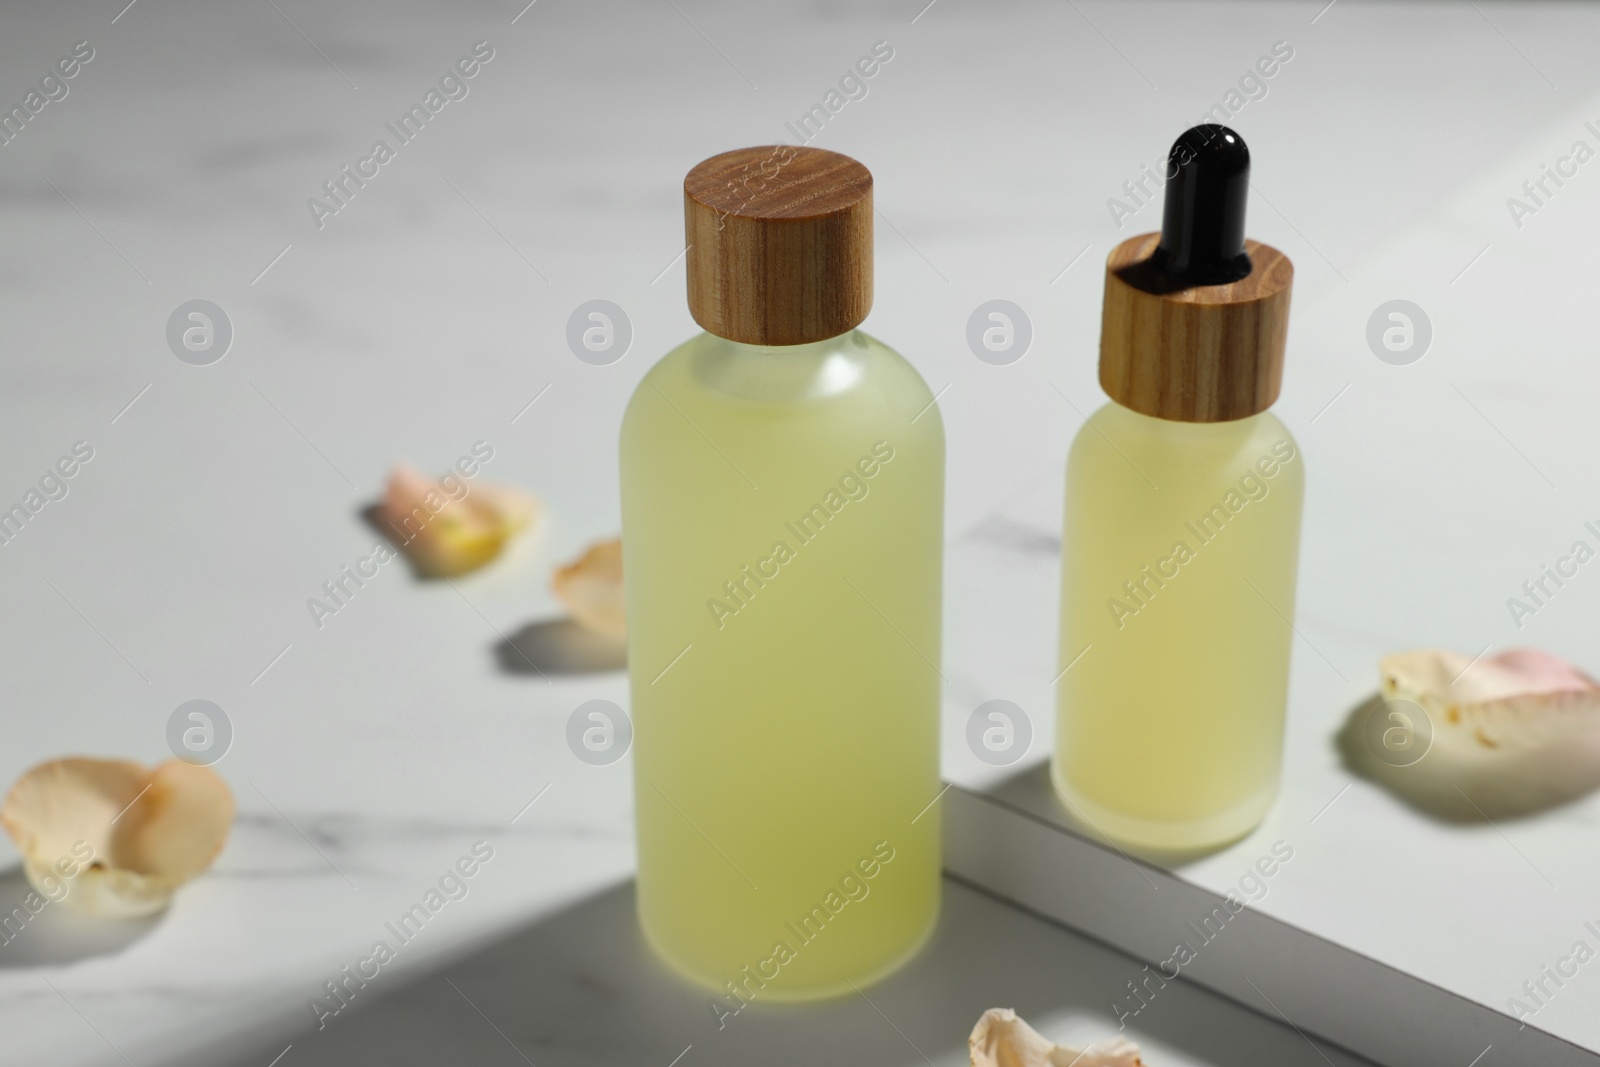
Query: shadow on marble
[(559, 646), (1473, 790), (54, 935), (580, 988)]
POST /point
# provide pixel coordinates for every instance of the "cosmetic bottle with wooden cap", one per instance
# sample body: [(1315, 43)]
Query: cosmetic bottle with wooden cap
[(782, 513), (1182, 527)]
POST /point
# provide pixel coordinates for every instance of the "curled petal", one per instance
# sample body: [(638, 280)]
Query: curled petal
[(1003, 1039), (451, 526), (591, 588), (112, 837)]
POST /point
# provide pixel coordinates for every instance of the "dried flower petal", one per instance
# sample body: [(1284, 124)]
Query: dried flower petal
[(1002, 1039), (591, 588), (446, 532), (120, 838), (1521, 699)]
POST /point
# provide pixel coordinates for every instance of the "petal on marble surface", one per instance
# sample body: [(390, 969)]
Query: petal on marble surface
[(1519, 700), (446, 530), (1003, 1039), (591, 588), (113, 837)]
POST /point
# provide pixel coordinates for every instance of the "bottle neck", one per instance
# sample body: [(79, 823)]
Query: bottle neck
[(1178, 431)]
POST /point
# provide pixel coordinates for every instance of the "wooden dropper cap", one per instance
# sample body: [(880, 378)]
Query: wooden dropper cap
[(1196, 316), (780, 244)]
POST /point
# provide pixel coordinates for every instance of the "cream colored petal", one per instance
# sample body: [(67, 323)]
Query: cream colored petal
[(120, 837), (444, 537), (591, 588), (1003, 1039), (178, 827), (1519, 700)]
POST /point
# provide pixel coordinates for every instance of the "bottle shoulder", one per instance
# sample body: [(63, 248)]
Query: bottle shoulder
[(1119, 435), (854, 370)]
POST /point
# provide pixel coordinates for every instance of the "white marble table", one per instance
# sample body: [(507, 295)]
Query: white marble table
[(429, 312)]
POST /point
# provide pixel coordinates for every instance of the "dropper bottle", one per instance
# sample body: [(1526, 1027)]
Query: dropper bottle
[(1182, 527)]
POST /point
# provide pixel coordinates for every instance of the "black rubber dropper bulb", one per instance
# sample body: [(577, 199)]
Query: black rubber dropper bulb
[(1202, 224)]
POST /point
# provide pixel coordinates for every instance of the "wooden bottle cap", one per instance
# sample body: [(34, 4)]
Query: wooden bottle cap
[(1205, 353), (780, 244)]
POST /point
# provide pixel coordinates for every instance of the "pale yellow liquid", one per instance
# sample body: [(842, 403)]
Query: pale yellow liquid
[(774, 754), (1170, 733)]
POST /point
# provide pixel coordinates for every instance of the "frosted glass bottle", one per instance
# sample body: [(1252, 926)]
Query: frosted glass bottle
[(1180, 549), (782, 509), (1182, 527)]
